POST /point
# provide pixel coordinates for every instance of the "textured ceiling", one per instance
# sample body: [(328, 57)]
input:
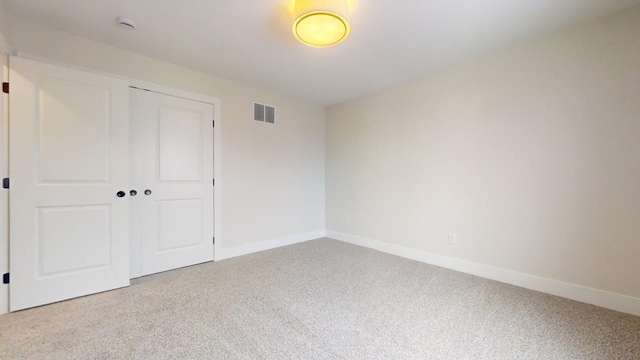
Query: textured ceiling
[(251, 41)]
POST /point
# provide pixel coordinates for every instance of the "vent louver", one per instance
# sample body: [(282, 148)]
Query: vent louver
[(258, 112), (264, 113), (270, 115)]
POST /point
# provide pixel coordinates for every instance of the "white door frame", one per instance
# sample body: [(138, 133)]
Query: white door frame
[(217, 155)]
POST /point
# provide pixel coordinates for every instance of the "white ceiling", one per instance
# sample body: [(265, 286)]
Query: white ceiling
[(251, 41)]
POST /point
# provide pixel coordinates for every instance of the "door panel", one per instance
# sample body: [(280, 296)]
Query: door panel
[(69, 157), (180, 144), (180, 224), (68, 132), (69, 229), (172, 155)]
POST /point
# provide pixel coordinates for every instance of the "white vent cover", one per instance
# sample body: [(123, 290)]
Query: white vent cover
[(264, 113)]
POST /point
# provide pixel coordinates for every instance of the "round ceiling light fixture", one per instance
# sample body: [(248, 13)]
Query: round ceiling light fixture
[(321, 23)]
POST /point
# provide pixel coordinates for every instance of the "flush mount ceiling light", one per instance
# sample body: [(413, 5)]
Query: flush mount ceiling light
[(321, 23)]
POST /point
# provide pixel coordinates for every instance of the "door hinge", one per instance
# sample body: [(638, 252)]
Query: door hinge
[(5, 87), (5, 278), (214, 240), (214, 182), (213, 123), (5, 183)]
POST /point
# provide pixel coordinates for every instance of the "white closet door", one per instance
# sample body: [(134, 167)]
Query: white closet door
[(69, 231), (172, 157)]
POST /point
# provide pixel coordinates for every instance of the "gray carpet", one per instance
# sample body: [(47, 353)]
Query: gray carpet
[(319, 300)]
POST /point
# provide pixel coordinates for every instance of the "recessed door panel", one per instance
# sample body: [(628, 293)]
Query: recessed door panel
[(73, 229), (73, 140), (180, 144), (69, 157), (180, 224), (172, 157)]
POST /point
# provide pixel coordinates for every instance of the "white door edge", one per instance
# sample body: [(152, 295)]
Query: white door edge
[(4, 196)]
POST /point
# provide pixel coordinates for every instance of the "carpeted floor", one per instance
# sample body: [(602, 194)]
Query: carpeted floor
[(319, 300)]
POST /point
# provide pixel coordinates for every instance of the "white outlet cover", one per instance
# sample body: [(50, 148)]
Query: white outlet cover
[(452, 238)]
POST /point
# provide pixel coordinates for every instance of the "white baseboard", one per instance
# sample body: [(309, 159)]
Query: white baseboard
[(580, 293), (222, 254)]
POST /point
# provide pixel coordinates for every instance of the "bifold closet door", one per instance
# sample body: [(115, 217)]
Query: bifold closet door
[(172, 173), (69, 158)]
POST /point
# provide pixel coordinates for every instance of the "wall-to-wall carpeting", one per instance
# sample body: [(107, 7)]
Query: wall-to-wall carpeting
[(319, 300)]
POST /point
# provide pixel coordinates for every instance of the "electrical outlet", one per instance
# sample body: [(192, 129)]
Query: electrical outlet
[(452, 239)]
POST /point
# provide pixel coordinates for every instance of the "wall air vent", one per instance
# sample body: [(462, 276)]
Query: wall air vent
[(264, 113)]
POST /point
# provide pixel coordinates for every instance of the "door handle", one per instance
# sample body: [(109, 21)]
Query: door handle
[(133, 193), (121, 194), (147, 192)]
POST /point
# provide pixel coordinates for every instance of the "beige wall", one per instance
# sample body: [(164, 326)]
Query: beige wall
[(271, 175), (530, 155), (4, 30)]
